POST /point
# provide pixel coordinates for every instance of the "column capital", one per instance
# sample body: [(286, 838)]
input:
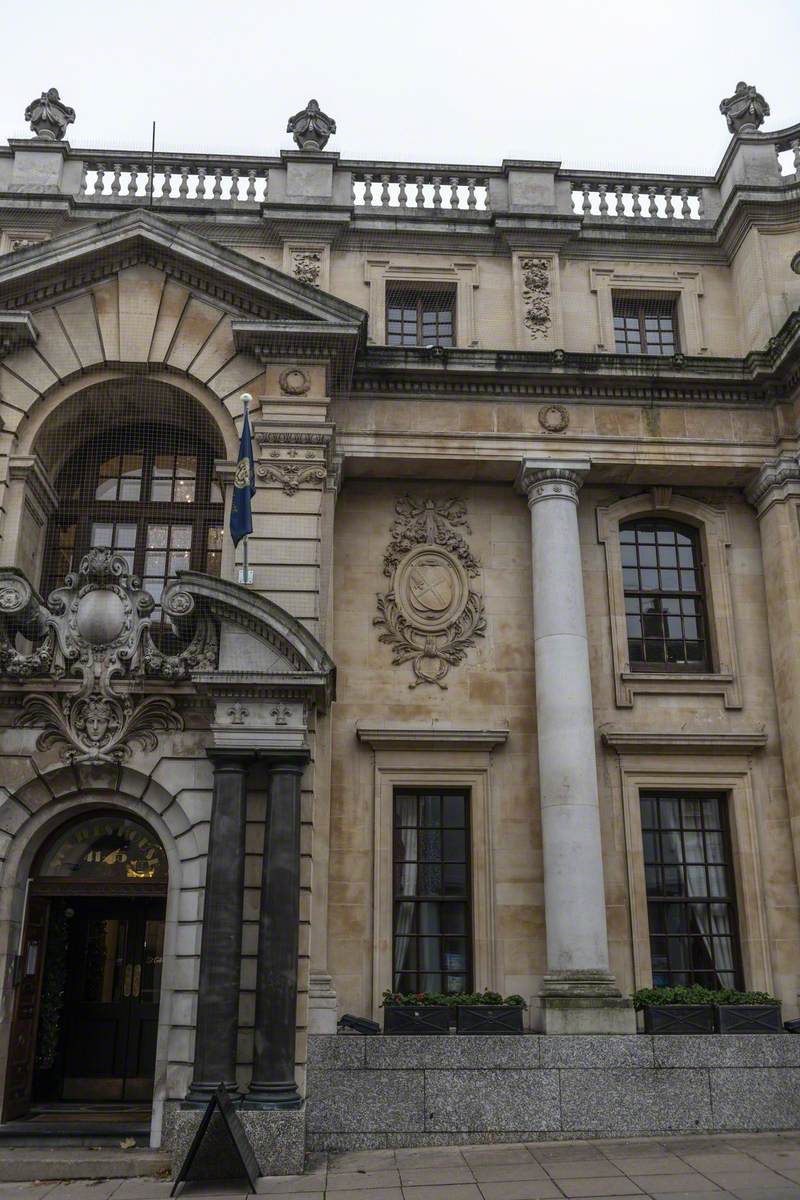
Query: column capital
[(230, 757), (290, 761), (541, 478), (776, 481)]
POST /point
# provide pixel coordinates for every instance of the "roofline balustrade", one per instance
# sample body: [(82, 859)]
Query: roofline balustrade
[(366, 190)]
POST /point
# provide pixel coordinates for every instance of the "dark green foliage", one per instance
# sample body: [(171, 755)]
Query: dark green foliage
[(452, 1000), (647, 997)]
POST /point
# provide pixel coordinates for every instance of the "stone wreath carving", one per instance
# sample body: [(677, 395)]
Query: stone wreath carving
[(536, 295), (430, 615), (554, 418), (293, 382), (96, 629)]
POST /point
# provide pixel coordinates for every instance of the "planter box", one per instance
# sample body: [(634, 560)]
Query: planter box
[(749, 1018), (489, 1018), (401, 1018), (680, 1018)]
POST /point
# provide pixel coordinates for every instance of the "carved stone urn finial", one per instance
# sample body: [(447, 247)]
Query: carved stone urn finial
[(745, 110), (49, 116), (311, 127)]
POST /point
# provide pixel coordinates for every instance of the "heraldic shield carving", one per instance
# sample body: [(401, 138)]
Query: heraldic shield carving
[(92, 631), (430, 615)]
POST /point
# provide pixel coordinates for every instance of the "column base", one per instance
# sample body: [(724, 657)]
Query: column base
[(321, 1004), (272, 1095), (199, 1094), (577, 1002)]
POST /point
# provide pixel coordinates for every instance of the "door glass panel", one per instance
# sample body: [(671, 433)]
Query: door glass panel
[(104, 960), (152, 959)]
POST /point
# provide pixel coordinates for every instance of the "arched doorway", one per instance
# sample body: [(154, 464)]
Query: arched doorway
[(89, 971)]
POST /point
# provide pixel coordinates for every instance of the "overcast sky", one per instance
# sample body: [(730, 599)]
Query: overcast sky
[(614, 84)]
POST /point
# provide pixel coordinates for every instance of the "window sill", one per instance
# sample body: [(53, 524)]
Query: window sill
[(687, 683), (682, 677)]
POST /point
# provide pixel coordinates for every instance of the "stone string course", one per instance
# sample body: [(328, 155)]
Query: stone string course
[(373, 1092)]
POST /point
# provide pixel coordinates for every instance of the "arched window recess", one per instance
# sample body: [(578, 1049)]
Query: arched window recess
[(670, 610)]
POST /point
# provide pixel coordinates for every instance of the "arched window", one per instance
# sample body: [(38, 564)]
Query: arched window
[(147, 492), (665, 608)]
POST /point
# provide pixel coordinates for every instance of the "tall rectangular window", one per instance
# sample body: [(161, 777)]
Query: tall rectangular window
[(691, 901), (645, 326), (420, 316), (665, 612), (432, 935)]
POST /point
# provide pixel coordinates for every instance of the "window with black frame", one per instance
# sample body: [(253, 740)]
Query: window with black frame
[(645, 325), (420, 316), (148, 493), (691, 901), (665, 610), (432, 940)]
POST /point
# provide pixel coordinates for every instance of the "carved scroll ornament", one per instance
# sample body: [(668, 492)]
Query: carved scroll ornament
[(430, 615)]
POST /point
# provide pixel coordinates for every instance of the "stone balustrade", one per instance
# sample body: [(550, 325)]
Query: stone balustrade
[(129, 178), (640, 198), (414, 186), (125, 176)]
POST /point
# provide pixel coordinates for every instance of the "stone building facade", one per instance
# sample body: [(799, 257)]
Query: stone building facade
[(508, 698)]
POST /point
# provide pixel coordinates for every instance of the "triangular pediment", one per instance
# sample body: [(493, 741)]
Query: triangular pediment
[(39, 273)]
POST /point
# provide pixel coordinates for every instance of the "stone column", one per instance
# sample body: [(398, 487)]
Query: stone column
[(775, 494), (579, 994), (273, 1084), (221, 946)]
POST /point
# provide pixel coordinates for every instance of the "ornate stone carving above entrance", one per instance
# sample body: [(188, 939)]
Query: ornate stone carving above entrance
[(430, 615), (93, 628)]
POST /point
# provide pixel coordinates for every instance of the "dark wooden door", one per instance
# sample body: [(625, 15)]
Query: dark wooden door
[(28, 977), (111, 1011)]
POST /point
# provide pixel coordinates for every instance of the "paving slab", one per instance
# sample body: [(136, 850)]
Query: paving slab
[(579, 1188), (521, 1189), (692, 1181), (357, 1180), (498, 1172)]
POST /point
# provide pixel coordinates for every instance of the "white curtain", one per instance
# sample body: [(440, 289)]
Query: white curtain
[(406, 810), (709, 920)]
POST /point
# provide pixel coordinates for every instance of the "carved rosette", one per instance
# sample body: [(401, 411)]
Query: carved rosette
[(293, 460), (430, 615), (536, 296)]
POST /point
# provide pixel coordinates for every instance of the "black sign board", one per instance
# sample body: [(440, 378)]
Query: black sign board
[(221, 1102)]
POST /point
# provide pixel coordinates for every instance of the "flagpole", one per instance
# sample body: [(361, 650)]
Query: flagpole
[(245, 575)]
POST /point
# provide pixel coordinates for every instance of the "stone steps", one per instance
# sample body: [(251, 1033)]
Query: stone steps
[(19, 1164)]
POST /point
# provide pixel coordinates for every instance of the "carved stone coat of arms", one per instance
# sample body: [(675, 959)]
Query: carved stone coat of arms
[(430, 615)]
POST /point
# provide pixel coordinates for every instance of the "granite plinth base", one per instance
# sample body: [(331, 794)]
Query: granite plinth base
[(375, 1092), (277, 1137)]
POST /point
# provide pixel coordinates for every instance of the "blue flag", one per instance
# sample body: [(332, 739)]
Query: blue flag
[(244, 486)]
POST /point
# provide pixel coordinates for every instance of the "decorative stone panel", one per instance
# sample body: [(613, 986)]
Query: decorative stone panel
[(431, 616)]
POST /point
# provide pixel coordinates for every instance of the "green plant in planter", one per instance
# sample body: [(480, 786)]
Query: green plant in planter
[(661, 996), (449, 1000)]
